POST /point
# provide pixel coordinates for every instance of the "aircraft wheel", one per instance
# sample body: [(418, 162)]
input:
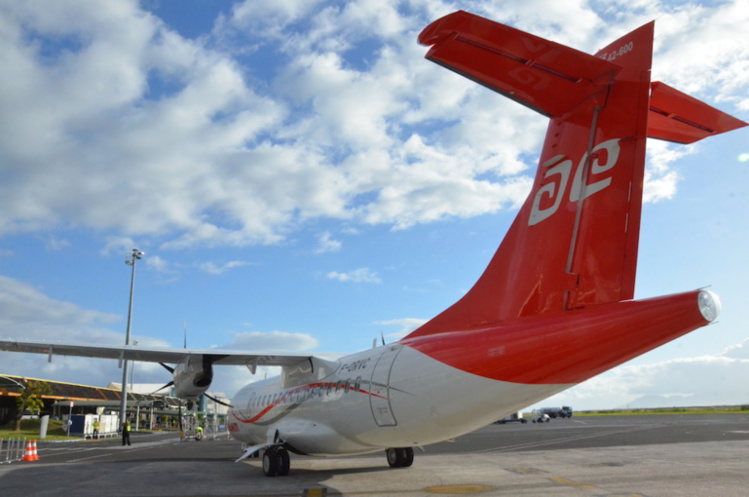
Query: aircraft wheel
[(270, 462), (284, 462), (407, 457), (400, 458), (392, 456)]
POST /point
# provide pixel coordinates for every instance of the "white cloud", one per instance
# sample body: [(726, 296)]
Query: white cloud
[(27, 314), (326, 243), (407, 325), (701, 51), (213, 268), (119, 244), (689, 381), (159, 264), (360, 275), (660, 180), (273, 341), (56, 244), (738, 351), (115, 123)]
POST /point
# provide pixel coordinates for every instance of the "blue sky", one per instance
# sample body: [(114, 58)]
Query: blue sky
[(302, 179)]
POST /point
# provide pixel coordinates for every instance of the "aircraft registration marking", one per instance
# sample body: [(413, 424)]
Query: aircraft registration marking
[(614, 54)]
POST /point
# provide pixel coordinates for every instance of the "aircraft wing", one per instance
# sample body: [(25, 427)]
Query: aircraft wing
[(153, 354)]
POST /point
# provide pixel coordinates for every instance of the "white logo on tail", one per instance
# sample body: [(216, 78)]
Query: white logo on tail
[(559, 169)]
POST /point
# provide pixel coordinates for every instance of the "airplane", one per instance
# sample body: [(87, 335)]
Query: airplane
[(555, 305)]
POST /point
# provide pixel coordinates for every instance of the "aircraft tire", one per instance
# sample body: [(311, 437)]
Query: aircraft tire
[(400, 458), (284, 462), (270, 462), (407, 457), (392, 457)]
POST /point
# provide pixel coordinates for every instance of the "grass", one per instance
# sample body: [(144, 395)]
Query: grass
[(668, 410), (30, 430), (55, 430)]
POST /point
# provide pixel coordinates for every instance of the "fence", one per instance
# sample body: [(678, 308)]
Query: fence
[(12, 449)]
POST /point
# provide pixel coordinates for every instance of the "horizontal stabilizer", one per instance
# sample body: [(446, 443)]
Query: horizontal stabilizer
[(547, 77), (675, 116)]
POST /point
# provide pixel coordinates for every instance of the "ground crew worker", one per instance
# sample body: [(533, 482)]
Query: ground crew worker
[(96, 429), (126, 433)]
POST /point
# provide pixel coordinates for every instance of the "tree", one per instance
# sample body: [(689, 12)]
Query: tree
[(31, 398)]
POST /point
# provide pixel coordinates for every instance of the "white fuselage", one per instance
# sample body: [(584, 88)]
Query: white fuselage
[(391, 396)]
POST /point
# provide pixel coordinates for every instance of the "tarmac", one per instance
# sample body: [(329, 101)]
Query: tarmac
[(607, 456)]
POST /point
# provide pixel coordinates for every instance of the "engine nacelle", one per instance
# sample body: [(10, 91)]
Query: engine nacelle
[(193, 377)]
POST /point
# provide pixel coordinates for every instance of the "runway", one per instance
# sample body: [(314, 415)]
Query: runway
[(648, 456)]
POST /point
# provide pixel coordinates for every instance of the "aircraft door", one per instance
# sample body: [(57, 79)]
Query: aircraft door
[(379, 399)]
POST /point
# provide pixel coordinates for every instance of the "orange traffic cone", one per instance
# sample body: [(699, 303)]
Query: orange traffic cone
[(34, 454), (28, 455)]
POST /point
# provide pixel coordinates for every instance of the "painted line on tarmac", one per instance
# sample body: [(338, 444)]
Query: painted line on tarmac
[(315, 492), (461, 489), (542, 443), (565, 481), (129, 448)]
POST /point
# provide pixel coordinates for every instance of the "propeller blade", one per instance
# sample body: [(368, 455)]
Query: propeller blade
[(168, 368), (218, 401), (162, 388), (181, 430)]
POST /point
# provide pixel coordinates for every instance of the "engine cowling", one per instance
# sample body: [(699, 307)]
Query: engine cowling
[(193, 377)]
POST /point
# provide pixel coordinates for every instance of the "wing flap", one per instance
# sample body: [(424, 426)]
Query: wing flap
[(675, 116), (547, 77)]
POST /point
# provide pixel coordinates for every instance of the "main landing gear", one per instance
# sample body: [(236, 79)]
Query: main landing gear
[(276, 461), (400, 458)]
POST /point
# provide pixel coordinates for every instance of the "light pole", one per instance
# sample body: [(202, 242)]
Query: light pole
[(135, 256)]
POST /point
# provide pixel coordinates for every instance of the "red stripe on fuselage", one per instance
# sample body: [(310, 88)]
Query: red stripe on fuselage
[(279, 401)]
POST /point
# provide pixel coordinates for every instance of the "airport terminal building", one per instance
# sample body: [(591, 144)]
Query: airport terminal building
[(148, 409)]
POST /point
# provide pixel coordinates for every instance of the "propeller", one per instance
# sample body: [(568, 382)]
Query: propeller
[(171, 370), (218, 401), (181, 429)]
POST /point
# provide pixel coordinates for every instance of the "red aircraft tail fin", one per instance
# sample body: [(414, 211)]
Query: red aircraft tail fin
[(574, 242)]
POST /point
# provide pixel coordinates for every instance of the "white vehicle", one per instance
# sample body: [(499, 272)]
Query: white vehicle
[(555, 304), (539, 416), (512, 418)]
